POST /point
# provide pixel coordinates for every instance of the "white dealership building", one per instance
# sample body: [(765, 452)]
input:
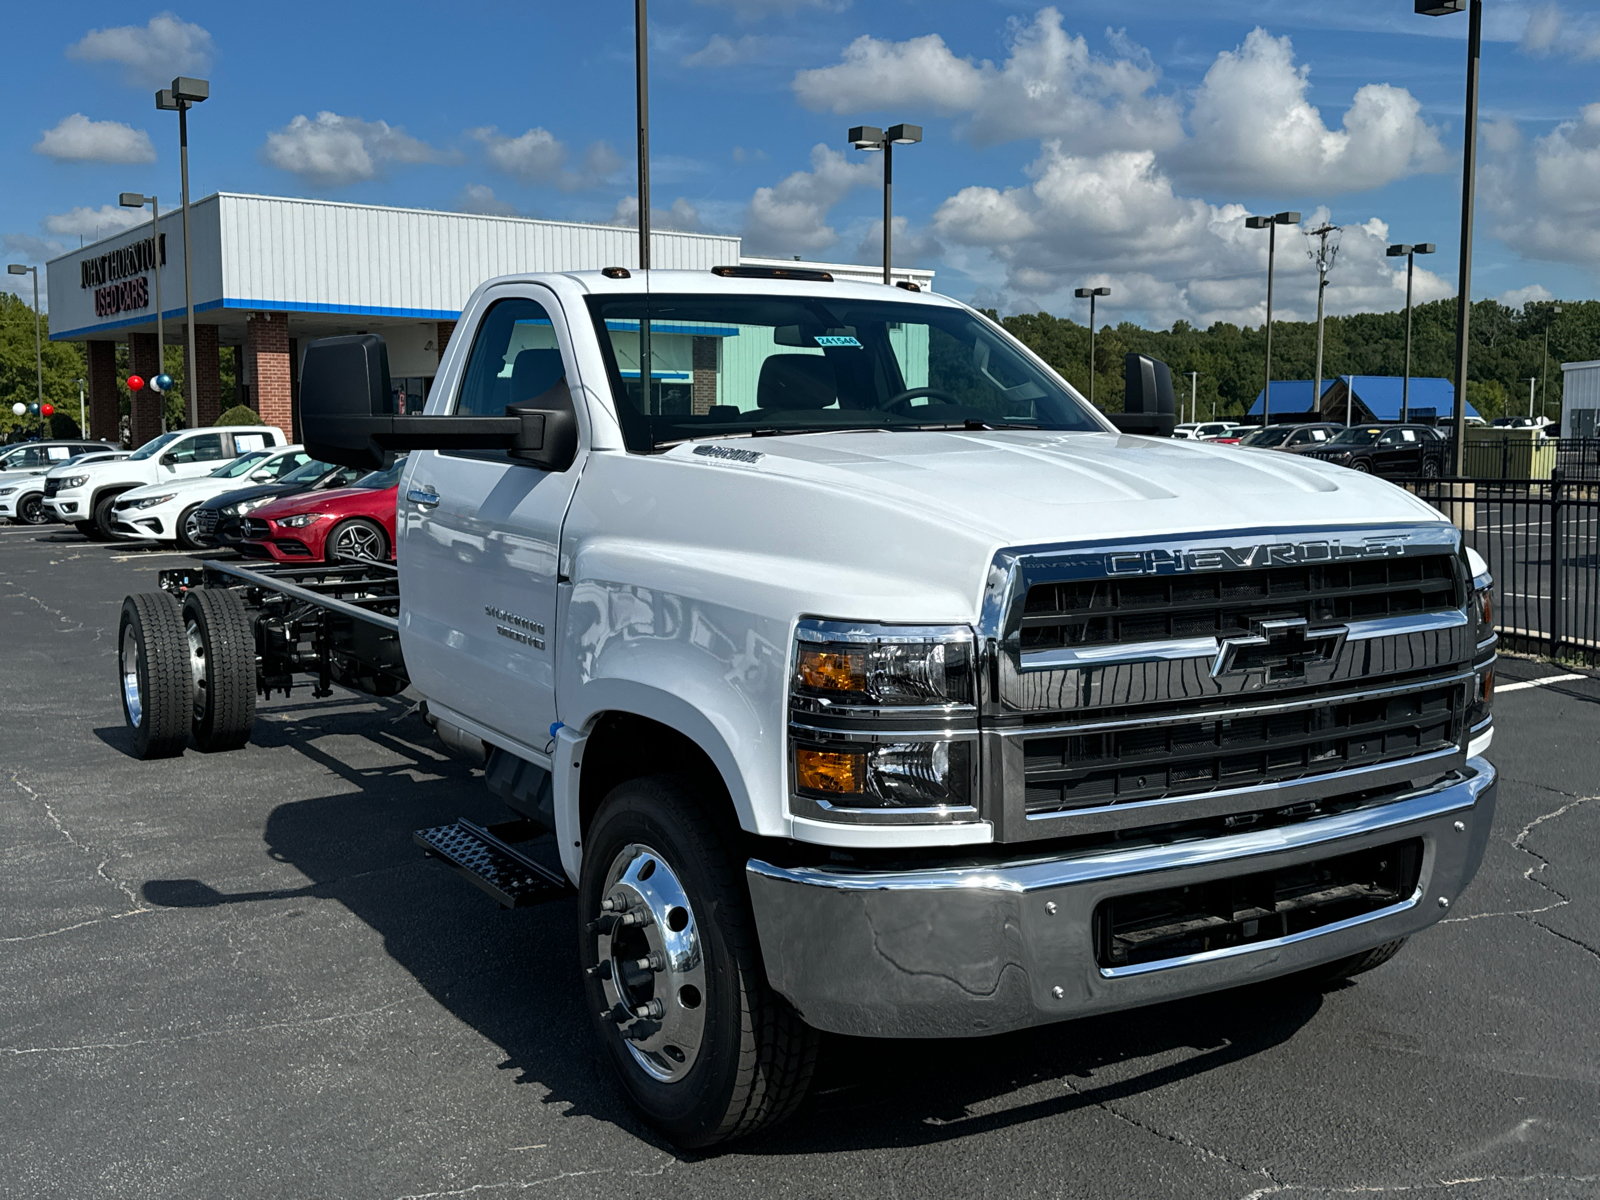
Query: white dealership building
[(272, 273)]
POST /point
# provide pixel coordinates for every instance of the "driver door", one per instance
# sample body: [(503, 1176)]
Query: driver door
[(479, 532)]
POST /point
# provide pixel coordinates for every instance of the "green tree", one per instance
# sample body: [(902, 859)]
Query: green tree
[(63, 367)]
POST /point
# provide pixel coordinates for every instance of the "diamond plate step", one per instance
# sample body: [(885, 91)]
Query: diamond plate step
[(500, 869)]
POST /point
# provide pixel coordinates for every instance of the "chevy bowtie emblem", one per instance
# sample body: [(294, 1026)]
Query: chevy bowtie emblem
[(1281, 649)]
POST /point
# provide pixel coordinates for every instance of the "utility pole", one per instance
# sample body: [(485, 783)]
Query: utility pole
[(641, 61), (1544, 370), (1323, 256), (1194, 396)]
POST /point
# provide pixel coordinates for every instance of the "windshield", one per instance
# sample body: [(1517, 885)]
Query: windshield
[(387, 478), (1273, 435), (236, 468), (153, 447), (750, 364), (1361, 435)]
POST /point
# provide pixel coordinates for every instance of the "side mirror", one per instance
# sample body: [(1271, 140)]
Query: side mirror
[(1148, 404), (347, 413), (261, 477), (550, 425), (167, 460)]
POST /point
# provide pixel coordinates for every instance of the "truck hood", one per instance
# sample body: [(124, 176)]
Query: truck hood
[(1016, 487)]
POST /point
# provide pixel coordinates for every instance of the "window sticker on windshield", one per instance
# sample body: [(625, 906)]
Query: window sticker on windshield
[(59, 453), (836, 339), (245, 442)]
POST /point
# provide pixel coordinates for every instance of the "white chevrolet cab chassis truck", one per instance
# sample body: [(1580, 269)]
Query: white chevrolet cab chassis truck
[(866, 679)]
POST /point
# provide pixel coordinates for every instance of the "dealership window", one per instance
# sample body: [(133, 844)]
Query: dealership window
[(411, 393)]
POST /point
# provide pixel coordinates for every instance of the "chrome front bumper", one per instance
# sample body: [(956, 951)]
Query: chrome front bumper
[(964, 951)]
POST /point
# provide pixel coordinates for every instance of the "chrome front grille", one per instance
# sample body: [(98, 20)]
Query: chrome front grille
[(1135, 685), (1170, 757), (254, 528)]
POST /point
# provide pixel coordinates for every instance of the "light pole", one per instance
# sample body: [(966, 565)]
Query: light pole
[(83, 417), (1271, 225), (870, 137), (38, 352), (139, 200), (1544, 395), (1410, 253), (641, 97), (1323, 256), (180, 97), (1194, 396), (1090, 294), (1469, 171)]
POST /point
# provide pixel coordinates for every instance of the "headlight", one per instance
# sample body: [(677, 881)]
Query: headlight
[(301, 521), (73, 481), (883, 723), (152, 501), (247, 506), (7, 491)]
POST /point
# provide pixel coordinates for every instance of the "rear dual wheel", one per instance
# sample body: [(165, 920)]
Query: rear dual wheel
[(222, 668)]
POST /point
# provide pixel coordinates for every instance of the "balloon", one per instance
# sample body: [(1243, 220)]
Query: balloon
[(34, 408), (162, 382), (135, 382), (19, 408), (49, 410)]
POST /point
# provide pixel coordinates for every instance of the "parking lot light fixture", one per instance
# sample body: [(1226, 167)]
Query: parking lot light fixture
[(1270, 224), (1091, 293), (1410, 253), (871, 138), (38, 351), (139, 200), (180, 97), (1544, 370)]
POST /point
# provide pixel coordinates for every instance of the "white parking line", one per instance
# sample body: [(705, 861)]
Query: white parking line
[(1528, 683)]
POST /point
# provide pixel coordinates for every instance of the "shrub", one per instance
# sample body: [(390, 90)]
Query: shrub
[(239, 415)]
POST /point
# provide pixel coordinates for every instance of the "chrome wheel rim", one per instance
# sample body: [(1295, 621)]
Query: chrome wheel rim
[(197, 666), (651, 964), (191, 525), (358, 541), (132, 702)]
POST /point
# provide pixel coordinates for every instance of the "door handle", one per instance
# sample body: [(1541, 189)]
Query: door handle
[(426, 497)]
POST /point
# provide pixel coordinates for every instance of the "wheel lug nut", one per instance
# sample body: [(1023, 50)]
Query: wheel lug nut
[(651, 1011)]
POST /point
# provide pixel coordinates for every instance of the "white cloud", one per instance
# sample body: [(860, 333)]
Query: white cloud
[(1051, 85), (480, 198), (29, 246), (1116, 218), (1551, 31), (1254, 129), (722, 51), (682, 216), (95, 222), (538, 156), (792, 217), (78, 139), (332, 150), (151, 54), (910, 247), (1534, 293), (1546, 197)]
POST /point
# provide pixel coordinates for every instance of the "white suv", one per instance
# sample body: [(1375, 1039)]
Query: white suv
[(164, 512), (22, 493), (87, 498)]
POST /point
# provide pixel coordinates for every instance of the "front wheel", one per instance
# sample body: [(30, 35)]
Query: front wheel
[(105, 518), (188, 529), (1358, 964), (30, 510), (1362, 465), (357, 538), (703, 1048)]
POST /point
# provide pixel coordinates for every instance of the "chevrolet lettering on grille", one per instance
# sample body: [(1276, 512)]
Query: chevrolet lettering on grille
[(1237, 558)]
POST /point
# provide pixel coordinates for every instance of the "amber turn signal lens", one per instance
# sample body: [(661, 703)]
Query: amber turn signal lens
[(1488, 608), (1488, 686), (831, 671), (826, 771)]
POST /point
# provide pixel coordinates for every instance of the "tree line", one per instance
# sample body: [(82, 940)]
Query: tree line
[(1507, 347)]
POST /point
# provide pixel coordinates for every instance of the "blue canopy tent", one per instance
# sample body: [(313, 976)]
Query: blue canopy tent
[(1375, 397)]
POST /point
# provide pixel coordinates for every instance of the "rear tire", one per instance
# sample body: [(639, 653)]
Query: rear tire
[(746, 1057), (222, 667), (356, 538), (30, 510), (89, 530), (186, 529), (153, 674), (1362, 465)]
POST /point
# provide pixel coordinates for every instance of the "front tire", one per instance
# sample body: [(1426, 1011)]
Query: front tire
[(704, 1050), (222, 666), (1358, 964), (188, 531), (1362, 465), (105, 518), (30, 510), (357, 538), (153, 674)]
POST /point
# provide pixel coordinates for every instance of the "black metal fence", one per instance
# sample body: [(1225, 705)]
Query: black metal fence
[(1504, 458), (1541, 539)]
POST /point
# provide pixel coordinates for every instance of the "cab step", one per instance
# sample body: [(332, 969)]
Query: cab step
[(485, 856)]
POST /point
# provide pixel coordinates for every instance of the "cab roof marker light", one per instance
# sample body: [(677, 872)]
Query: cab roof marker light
[(616, 273)]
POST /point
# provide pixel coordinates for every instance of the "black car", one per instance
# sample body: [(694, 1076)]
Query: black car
[(220, 520), (1391, 450)]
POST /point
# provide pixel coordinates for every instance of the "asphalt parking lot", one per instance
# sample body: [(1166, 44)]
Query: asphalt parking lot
[(235, 976)]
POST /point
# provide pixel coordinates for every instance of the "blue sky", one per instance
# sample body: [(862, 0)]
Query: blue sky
[(1090, 142)]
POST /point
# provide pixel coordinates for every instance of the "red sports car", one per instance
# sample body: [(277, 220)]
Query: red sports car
[(352, 522)]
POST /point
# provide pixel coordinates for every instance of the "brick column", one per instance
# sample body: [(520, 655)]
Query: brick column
[(144, 360), (446, 331), (703, 392), (104, 403), (266, 348), (206, 376)]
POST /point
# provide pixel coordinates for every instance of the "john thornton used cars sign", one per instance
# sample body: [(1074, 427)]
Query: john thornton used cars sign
[(118, 276)]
